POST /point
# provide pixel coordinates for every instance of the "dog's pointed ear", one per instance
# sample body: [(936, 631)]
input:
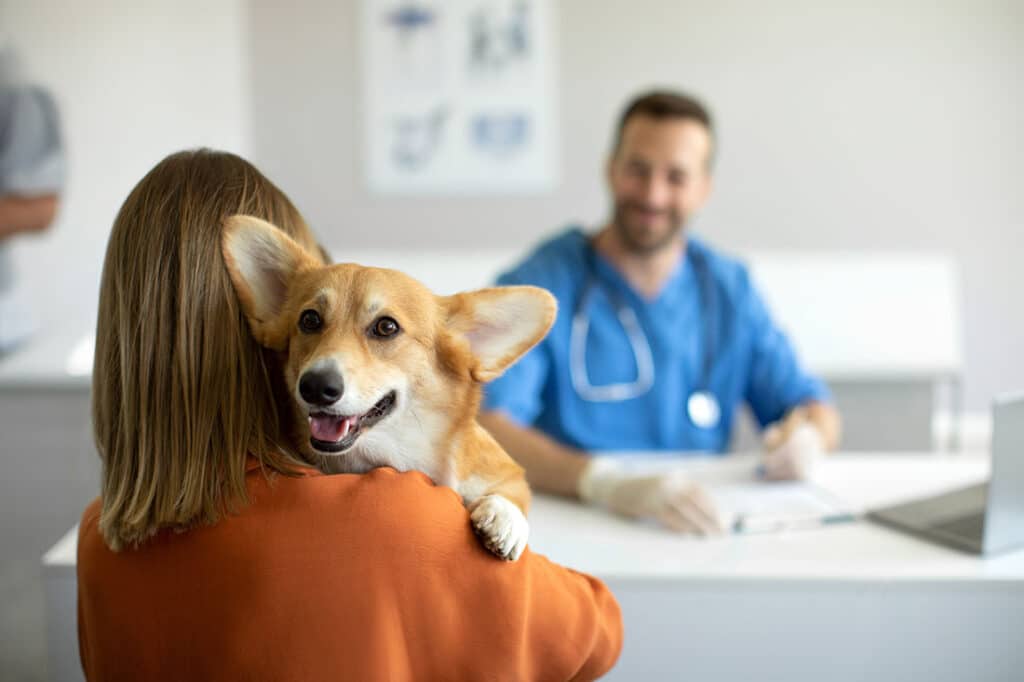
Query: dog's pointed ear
[(262, 260), (500, 324)]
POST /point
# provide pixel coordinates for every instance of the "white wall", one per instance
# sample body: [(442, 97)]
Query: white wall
[(135, 82), (860, 128), (863, 126)]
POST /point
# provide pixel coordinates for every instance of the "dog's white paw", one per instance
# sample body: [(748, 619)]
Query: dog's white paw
[(501, 526)]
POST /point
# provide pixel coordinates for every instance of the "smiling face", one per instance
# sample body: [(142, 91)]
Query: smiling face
[(360, 342), (658, 178)]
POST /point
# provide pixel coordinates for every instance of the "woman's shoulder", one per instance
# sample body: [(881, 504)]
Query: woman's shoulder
[(326, 510), (377, 497), (93, 553), (89, 526), (314, 482)]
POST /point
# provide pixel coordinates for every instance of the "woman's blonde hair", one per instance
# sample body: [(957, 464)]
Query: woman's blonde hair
[(181, 391)]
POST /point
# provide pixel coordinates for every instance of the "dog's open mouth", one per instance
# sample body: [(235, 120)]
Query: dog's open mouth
[(337, 432)]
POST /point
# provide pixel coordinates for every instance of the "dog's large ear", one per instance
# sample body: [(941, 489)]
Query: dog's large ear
[(500, 324), (262, 260)]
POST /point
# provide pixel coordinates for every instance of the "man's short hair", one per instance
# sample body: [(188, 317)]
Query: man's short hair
[(665, 104)]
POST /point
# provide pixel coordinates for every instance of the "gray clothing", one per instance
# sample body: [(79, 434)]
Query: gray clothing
[(31, 153), (31, 164)]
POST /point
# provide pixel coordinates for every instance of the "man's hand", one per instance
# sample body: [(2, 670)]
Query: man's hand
[(671, 499), (792, 447)]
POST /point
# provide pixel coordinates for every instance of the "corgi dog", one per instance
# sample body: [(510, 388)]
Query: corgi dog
[(385, 373)]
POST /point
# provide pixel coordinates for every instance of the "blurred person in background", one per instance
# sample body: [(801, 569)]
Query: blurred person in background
[(659, 340), (31, 179)]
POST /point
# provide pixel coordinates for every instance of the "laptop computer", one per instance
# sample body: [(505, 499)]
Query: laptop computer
[(981, 519)]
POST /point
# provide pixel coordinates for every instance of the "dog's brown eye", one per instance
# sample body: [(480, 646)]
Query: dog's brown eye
[(310, 321), (385, 327)]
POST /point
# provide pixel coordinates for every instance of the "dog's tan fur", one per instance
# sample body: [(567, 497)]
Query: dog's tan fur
[(447, 348)]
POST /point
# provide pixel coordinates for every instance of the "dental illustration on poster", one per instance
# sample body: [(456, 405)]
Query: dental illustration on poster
[(459, 96)]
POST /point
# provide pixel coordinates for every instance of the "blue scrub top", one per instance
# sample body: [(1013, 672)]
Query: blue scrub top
[(752, 360)]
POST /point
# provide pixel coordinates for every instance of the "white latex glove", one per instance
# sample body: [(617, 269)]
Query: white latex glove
[(792, 449), (671, 499)]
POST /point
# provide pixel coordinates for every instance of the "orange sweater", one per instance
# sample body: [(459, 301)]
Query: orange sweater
[(372, 577)]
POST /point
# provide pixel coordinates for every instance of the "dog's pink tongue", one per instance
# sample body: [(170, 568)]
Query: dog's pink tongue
[(330, 428)]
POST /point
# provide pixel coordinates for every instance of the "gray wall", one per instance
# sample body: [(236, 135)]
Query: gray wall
[(841, 128)]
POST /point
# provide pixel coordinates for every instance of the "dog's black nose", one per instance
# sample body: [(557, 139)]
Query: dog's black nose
[(323, 387)]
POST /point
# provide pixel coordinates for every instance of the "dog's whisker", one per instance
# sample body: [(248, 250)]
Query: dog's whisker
[(417, 418)]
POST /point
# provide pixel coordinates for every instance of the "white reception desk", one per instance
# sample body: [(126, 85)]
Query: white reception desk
[(845, 602)]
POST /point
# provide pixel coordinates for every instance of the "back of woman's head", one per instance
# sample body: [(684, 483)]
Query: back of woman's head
[(181, 391)]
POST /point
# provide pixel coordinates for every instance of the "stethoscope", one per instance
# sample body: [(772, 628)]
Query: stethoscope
[(702, 407)]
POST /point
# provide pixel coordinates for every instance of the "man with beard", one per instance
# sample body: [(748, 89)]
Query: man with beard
[(658, 342)]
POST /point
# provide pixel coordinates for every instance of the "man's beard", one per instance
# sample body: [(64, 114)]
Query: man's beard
[(640, 239)]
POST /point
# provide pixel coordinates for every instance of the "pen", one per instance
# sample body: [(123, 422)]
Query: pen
[(744, 524)]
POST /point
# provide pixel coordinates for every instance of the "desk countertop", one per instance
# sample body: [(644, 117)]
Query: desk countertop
[(58, 358), (616, 549)]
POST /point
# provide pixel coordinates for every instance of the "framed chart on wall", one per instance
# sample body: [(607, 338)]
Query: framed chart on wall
[(459, 97)]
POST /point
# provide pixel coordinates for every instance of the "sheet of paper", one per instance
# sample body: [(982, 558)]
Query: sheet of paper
[(761, 501), (740, 494), (758, 506), (775, 499)]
